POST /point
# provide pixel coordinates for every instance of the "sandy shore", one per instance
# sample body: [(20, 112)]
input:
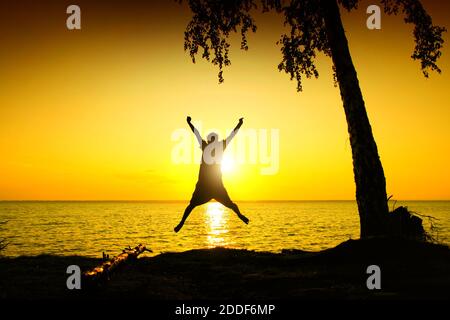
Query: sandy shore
[(409, 270)]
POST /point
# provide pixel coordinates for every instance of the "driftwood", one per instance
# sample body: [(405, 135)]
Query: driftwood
[(103, 271)]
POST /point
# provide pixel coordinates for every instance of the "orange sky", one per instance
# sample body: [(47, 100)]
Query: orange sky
[(87, 115)]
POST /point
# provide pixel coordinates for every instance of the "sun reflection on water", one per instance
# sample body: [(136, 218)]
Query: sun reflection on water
[(217, 222)]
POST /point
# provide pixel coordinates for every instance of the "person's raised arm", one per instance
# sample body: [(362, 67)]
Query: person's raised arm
[(235, 130), (195, 131)]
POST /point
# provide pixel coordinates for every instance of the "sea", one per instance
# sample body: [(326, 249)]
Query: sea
[(91, 228)]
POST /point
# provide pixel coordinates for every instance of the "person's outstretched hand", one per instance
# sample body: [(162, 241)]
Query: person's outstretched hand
[(188, 119), (241, 120)]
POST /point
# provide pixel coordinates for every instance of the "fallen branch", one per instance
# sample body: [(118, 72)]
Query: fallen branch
[(434, 228), (103, 271)]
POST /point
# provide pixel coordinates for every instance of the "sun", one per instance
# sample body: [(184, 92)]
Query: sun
[(227, 165)]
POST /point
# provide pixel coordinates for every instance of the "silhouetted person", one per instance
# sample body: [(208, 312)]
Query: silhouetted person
[(209, 185)]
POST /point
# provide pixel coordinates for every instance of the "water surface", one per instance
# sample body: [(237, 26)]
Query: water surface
[(90, 228)]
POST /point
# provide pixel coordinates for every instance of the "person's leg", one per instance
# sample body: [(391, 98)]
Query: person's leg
[(187, 211), (199, 197), (233, 206), (224, 199)]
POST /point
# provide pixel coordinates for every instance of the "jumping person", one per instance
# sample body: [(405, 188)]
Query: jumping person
[(209, 185)]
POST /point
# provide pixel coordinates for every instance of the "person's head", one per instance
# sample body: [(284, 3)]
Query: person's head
[(212, 137)]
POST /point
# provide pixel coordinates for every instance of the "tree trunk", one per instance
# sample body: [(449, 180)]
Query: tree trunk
[(368, 171)]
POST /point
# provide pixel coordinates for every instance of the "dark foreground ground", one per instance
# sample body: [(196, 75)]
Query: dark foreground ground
[(409, 270)]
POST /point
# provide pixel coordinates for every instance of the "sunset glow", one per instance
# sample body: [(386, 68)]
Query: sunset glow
[(88, 114), (227, 165)]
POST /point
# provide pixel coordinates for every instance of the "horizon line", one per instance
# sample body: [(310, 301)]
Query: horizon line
[(164, 200)]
